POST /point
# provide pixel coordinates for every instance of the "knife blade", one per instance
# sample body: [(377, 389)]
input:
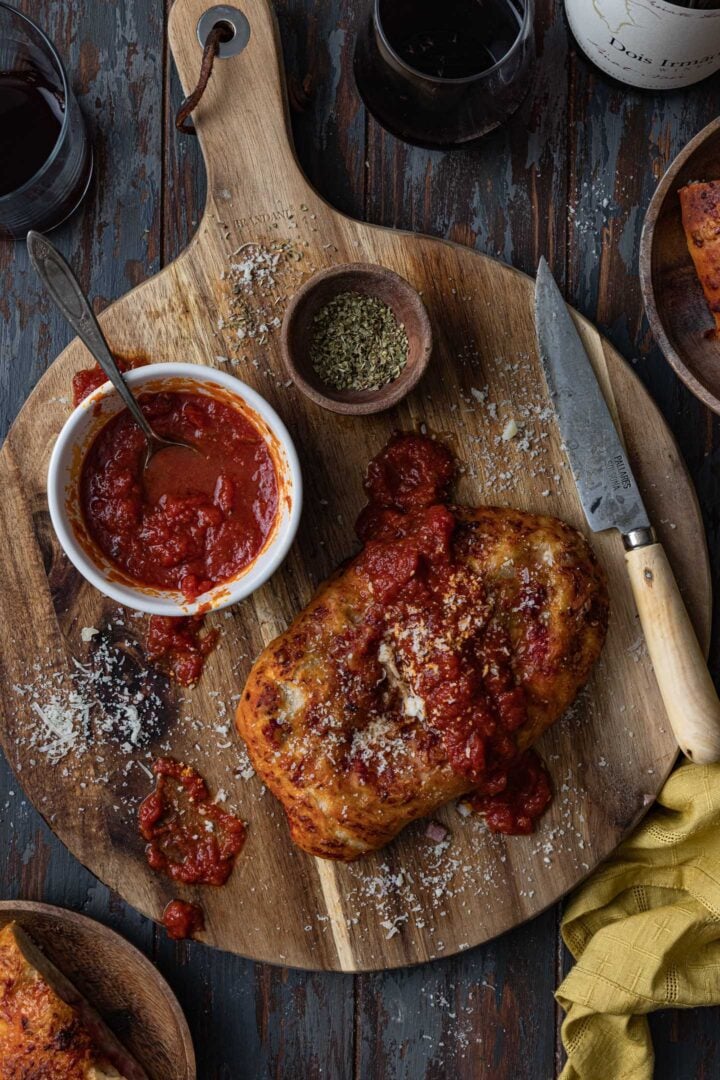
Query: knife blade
[(607, 488), (611, 499)]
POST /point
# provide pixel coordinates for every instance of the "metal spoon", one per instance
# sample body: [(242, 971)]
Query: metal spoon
[(66, 291)]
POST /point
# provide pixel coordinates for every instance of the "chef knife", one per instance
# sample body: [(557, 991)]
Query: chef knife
[(611, 500)]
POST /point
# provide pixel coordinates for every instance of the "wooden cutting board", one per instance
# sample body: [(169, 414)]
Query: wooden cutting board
[(417, 899)]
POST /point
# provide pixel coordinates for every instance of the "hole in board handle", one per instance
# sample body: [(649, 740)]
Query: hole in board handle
[(227, 31), (232, 21)]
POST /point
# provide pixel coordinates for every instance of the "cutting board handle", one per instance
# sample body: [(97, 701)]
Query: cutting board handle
[(242, 120)]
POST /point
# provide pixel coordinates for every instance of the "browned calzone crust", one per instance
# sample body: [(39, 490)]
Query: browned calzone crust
[(338, 813), (47, 1029), (700, 206)]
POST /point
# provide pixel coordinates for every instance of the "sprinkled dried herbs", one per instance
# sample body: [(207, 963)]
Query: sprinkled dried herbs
[(259, 277), (357, 343)]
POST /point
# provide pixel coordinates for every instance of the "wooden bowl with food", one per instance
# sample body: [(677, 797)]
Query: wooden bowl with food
[(356, 338), (77, 999), (679, 254)]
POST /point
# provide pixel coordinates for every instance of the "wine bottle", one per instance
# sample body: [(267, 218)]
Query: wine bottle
[(651, 44)]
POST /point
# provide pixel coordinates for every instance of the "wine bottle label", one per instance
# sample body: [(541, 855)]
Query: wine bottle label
[(652, 44)]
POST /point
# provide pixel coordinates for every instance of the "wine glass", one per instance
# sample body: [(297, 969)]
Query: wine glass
[(45, 157), (442, 73)]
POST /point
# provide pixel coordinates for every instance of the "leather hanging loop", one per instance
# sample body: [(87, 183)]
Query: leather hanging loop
[(217, 35)]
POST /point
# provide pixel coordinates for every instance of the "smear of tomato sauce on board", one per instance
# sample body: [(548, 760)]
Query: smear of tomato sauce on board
[(524, 798), (190, 521), (189, 837), (465, 676), (88, 379), (179, 646), (182, 919)]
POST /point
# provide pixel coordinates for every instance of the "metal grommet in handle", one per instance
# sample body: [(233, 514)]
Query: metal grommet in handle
[(236, 22)]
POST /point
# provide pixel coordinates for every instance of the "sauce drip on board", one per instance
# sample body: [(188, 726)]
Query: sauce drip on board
[(88, 379), (189, 521), (525, 797), (179, 647), (189, 837), (454, 640), (183, 919)]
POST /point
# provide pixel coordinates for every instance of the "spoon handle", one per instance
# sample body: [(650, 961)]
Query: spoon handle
[(65, 289)]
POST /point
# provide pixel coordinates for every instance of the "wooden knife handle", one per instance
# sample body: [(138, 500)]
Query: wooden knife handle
[(682, 674)]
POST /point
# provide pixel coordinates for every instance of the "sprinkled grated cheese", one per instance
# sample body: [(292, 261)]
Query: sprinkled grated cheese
[(104, 697)]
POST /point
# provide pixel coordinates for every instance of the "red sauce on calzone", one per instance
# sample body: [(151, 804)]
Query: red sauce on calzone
[(461, 664)]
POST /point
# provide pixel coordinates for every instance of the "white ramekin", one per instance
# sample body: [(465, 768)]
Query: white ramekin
[(74, 441)]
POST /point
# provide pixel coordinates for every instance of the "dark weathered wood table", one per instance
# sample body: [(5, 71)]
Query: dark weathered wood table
[(569, 177)]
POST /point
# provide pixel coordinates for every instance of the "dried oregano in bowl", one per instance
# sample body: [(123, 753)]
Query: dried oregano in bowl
[(357, 343)]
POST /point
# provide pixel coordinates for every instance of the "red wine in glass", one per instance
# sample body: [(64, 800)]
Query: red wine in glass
[(442, 73), (45, 156), (31, 119)]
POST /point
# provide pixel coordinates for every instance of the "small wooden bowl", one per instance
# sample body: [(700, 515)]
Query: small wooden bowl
[(370, 280), (674, 302), (123, 985)]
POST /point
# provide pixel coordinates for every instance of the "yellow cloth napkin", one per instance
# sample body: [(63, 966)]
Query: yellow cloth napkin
[(645, 932)]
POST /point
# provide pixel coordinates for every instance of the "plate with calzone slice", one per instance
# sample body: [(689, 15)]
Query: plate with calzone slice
[(78, 1002)]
